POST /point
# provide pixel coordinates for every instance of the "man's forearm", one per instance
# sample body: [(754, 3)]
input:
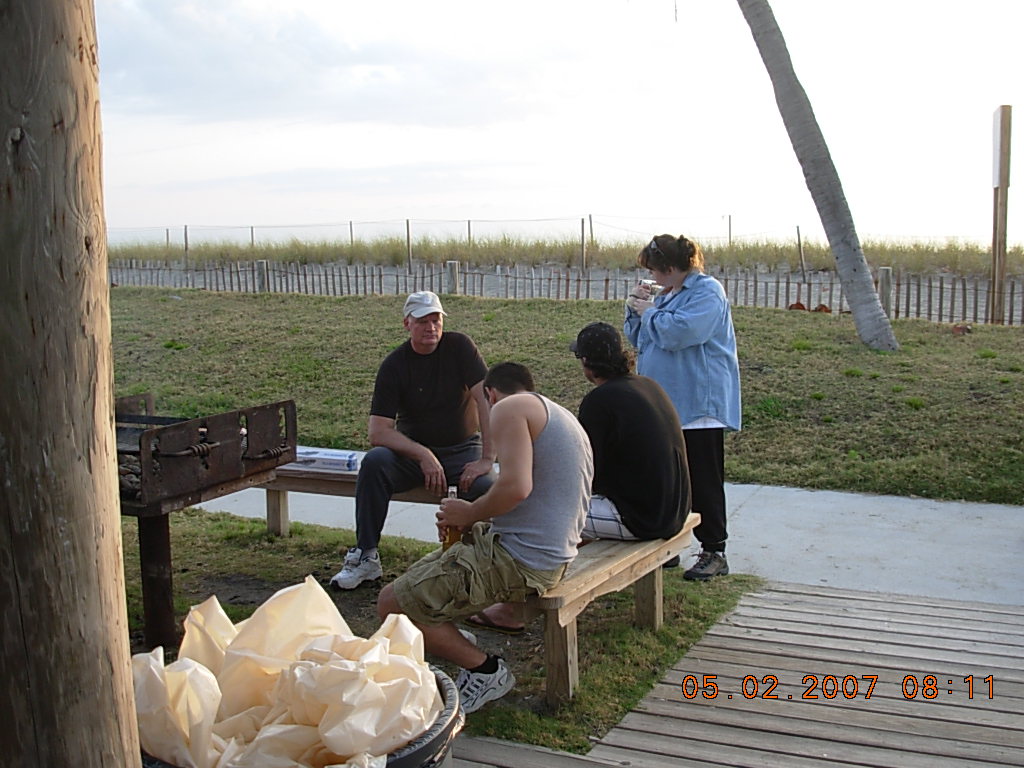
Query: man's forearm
[(399, 443), (483, 410), (500, 498)]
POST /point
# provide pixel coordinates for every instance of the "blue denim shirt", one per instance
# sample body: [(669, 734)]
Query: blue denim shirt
[(686, 343)]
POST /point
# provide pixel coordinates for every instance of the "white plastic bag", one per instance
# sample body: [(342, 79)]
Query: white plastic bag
[(176, 707), (208, 631), (295, 688)]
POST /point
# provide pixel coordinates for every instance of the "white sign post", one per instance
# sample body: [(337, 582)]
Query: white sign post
[(1001, 186)]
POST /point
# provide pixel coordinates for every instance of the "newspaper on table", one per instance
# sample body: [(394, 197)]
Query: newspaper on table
[(289, 687)]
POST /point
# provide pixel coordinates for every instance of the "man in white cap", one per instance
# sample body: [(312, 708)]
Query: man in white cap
[(429, 425)]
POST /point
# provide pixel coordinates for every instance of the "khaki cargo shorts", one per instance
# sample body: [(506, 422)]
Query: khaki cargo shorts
[(472, 574)]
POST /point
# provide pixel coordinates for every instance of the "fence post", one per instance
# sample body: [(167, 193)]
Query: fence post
[(583, 244), (408, 244), (800, 250), (262, 274), (451, 270), (885, 289)]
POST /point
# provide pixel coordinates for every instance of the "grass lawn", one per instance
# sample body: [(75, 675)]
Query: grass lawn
[(941, 418)]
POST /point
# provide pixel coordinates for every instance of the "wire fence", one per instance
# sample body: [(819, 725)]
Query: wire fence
[(938, 298)]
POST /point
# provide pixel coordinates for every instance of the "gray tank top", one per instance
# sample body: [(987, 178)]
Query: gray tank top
[(543, 530)]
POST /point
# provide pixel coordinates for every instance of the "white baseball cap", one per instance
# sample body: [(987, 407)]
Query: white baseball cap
[(422, 303)]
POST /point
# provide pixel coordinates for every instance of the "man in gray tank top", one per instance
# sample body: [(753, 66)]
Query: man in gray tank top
[(517, 539)]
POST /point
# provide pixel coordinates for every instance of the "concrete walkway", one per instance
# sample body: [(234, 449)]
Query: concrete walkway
[(943, 549)]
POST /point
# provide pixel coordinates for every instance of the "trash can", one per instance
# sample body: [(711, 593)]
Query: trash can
[(434, 746), (432, 749)]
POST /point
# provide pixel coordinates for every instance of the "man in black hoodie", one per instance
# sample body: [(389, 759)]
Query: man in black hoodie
[(641, 481)]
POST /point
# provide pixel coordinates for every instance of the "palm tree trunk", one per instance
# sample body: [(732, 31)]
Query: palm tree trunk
[(821, 176), (67, 687)]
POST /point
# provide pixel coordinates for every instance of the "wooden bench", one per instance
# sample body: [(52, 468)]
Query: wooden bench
[(310, 478), (601, 567)]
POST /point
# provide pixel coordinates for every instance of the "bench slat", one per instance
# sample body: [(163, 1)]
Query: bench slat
[(335, 482)]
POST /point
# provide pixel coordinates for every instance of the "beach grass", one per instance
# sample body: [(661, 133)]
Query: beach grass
[(913, 257)]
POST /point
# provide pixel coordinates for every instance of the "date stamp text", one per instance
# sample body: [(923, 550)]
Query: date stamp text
[(817, 687)]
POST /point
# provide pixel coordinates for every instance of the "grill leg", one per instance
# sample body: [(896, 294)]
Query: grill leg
[(157, 592)]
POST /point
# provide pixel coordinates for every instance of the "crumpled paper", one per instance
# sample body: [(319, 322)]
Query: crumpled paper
[(290, 687)]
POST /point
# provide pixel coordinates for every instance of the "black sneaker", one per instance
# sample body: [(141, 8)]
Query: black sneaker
[(672, 562), (708, 564)]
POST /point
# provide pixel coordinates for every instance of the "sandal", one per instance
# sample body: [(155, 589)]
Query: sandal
[(482, 621)]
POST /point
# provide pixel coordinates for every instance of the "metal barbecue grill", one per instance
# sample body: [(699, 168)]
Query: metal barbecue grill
[(166, 464)]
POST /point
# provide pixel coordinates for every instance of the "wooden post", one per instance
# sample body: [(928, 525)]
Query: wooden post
[(277, 512), (1001, 188), (561, 659), (408, 244), (262, 273), (351, 234), (803, 265), (66, 669), (188, 283), (469, 232), (583, 244), (649, 600), (885, 289)]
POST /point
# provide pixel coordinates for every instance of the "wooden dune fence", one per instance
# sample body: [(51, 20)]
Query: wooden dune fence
[(939, 298)]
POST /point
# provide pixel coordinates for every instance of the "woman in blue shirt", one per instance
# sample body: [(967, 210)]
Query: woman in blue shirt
[(685, 341)]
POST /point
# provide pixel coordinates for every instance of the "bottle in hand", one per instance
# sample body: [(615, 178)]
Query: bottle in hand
[(451, 533)]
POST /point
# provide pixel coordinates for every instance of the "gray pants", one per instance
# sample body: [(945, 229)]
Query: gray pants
[(383, 473)]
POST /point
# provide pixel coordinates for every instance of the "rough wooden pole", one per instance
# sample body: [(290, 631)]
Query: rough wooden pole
[(66, 696)]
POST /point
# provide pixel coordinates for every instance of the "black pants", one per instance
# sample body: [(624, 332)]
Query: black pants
[(705, 457), (383, 473)]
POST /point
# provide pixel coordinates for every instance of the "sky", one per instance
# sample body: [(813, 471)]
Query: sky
[(534, 117)]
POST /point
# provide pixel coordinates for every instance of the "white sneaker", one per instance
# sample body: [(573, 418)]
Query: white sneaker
[(356, 569), (476, 688)]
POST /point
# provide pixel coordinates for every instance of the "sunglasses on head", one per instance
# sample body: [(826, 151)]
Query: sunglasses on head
[(654, 249)]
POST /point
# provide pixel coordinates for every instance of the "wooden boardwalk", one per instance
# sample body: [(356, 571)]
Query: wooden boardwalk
[(888, 673)]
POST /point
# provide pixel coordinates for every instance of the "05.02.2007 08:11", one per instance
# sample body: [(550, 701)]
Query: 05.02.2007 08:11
[(833, 686)]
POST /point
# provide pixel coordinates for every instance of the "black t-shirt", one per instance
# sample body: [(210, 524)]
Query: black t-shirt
[(639, 454), (428, 395)]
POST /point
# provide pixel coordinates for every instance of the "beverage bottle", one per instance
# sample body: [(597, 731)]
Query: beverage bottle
[(452, 534)]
